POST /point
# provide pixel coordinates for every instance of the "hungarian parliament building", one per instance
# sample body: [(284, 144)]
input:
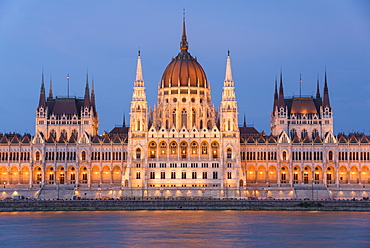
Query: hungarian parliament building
[(184, 146)]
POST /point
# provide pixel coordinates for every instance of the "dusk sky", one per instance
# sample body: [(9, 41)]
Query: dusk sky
[(103, 37)]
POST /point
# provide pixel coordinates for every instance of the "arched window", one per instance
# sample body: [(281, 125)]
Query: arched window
[(184, 149), (53, 134), (241, 182), (284, 155), (163, 148), (138, 153), (228, 153), (174, 118), (63, 134), (37, 156), (330, 155), (201, 124), (83, 155), (138, 125), (138, 176), (214, 149), (184, 118), (204, 148), (173, 147), (152, 149), (194, 148), (304, 134), (293, 133), (75, 133), (228, 125)]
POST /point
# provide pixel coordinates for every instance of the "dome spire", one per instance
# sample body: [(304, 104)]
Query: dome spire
[(184, 43)]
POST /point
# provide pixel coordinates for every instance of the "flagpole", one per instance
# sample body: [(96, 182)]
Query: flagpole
[(300, 85), (68, 84)]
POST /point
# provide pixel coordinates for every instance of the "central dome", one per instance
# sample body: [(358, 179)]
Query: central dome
[(184, 70)]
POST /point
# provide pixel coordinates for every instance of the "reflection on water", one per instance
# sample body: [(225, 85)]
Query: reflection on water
[(185, 228)]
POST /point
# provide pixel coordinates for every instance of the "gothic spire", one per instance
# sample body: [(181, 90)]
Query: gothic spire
[(326, 102), (124, 120), (87, 92), (281, 91), (245, 121), (42, 100), (228, 75), (51, 89), (92, 94), (276, 96), (318, 96)]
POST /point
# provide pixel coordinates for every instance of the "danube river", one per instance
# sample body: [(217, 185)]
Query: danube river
[(185, 229)]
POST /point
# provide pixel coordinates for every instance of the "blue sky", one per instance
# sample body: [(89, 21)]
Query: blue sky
[(104, 36)]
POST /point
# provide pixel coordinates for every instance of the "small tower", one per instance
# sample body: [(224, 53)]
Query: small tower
[(279, 114), (229, 107), (139, 106)]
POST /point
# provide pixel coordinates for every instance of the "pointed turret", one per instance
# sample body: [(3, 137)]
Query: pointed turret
[(42, 101), (228, 74), (245, 121), (276, 96), (139, 105), (93, 94), (51, 89), (318, 96), (139, 81), (124, 120), (229, 108), (281, 91), (325, 101), (87, 92)]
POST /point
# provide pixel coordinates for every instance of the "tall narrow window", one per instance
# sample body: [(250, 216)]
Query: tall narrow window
[(184, 148), (173, 147), (174, 118), (184, 118), (138, 153), (194, 148), (138, 175), (228, 153), (193, 118), (83, 155), (204, 148)]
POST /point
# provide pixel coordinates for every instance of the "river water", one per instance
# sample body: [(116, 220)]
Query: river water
[(185, 229)]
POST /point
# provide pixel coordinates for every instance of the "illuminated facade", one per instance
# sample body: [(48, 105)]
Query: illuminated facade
[(184, 146)]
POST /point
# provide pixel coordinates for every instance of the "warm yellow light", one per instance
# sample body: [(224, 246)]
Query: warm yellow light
[(363, 173), (352, 173), (250, 172), (271, 172), (316, 172), (261, 172)]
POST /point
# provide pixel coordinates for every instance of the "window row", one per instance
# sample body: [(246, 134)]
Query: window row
[(61, 156), (183, 175), (183, 149), (344, 156), (257, 156), (14, 156), (307, 155), (185, 165), (105, 156)]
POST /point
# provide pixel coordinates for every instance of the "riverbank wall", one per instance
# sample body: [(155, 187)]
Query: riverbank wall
[(182, 204)]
